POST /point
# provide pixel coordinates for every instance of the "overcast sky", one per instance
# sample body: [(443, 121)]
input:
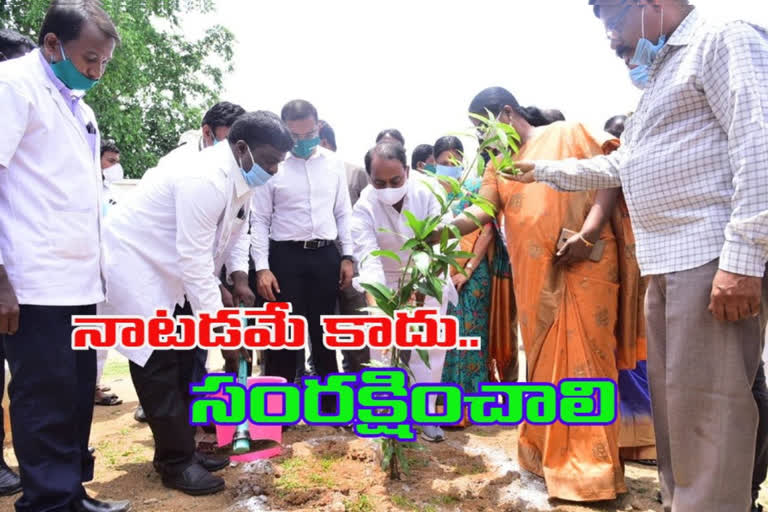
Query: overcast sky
[(416, 64)]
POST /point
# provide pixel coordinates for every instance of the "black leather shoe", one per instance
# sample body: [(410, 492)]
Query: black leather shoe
[(10, 483), (210, 463), (91, 505), (195, 481), (139, 415), (91, 450)]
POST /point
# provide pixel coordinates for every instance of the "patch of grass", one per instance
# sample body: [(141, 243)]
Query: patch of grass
[(322, 481), (470, 469), (293, 464), (328, 461), (361, 504), (444, 500), (401, 501), (116, 368)]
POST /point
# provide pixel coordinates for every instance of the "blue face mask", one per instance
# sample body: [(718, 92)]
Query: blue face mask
[(66, 71), (450, 171), (304, 148), (257, 176), (645, 53), (431, 168), (215, 140)]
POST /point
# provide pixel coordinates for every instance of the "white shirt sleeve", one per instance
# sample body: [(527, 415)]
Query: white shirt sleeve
[(237, 260), (364, 243), (590, 174), (342, 210), (733, 80), (261, 220), (198, 205), (15, 109)]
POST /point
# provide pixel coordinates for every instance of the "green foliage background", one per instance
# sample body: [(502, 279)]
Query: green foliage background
[(159, 83)]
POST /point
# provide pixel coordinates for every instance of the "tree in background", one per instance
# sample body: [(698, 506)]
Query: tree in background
[(158, 85)]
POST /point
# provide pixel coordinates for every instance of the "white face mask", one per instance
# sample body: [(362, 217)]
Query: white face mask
[(113, 174), (391, 196)]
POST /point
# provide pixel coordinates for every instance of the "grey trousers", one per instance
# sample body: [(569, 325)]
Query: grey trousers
[(701, 373)]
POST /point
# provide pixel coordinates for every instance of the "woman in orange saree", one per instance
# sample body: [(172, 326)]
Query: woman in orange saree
[(578, 318)]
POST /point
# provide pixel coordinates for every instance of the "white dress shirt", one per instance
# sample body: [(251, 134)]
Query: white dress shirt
[(694, 157), (306, 200), (171, 236), (50, 188), (378, 226)]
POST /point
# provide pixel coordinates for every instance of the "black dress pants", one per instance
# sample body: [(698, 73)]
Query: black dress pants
[(309, 280), (163, 389), (51, 392)]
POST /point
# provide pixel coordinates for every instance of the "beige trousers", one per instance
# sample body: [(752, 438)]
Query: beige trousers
[(701, 373)]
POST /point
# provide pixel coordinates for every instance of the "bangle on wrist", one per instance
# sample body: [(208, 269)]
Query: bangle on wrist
[(586, 242)]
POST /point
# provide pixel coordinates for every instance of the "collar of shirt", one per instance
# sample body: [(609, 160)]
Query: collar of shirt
[(684, 33), (68, 94), (233, 169)]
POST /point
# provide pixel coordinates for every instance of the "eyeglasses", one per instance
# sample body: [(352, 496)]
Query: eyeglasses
[(616, 23)]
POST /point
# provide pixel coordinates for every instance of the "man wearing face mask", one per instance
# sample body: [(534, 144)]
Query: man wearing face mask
[(111, 171), (294, 225), (216, 124), (50, 256), (378, 223), (692, 166), (168, 241)]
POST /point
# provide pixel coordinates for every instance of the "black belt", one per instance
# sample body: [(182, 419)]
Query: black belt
[(308, 244)]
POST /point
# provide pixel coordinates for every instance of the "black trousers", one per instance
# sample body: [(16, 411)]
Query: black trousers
[(350, 302), (309, 280), (163, 389), (51, 392), (760, 392), (2, 394)]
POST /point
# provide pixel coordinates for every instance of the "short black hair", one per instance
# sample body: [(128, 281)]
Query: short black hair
[(327, 133), (421, 154), (368, 161), (222, 114), (13, 44), (448, 143), (109, 146), (65, 18), (298, 109), (392, 132), (387, 151), (615, 125), (261, 127)]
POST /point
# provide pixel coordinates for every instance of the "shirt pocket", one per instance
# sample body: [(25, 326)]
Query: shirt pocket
[(74, 234)]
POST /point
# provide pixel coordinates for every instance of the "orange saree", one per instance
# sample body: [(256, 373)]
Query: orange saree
[(573, 320)]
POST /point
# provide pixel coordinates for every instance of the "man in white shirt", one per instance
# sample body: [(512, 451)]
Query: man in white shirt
[(111, 171), (295, 221), (216, 124), (50, 258), (169, 240), (381, 207)]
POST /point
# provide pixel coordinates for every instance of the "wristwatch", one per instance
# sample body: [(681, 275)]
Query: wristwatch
[(348, 257), (469, 265)]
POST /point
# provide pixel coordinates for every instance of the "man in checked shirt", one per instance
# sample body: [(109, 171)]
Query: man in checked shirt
[(694, 169)]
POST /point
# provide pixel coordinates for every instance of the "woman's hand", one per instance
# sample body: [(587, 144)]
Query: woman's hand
[(575, 250), (459, 280)]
